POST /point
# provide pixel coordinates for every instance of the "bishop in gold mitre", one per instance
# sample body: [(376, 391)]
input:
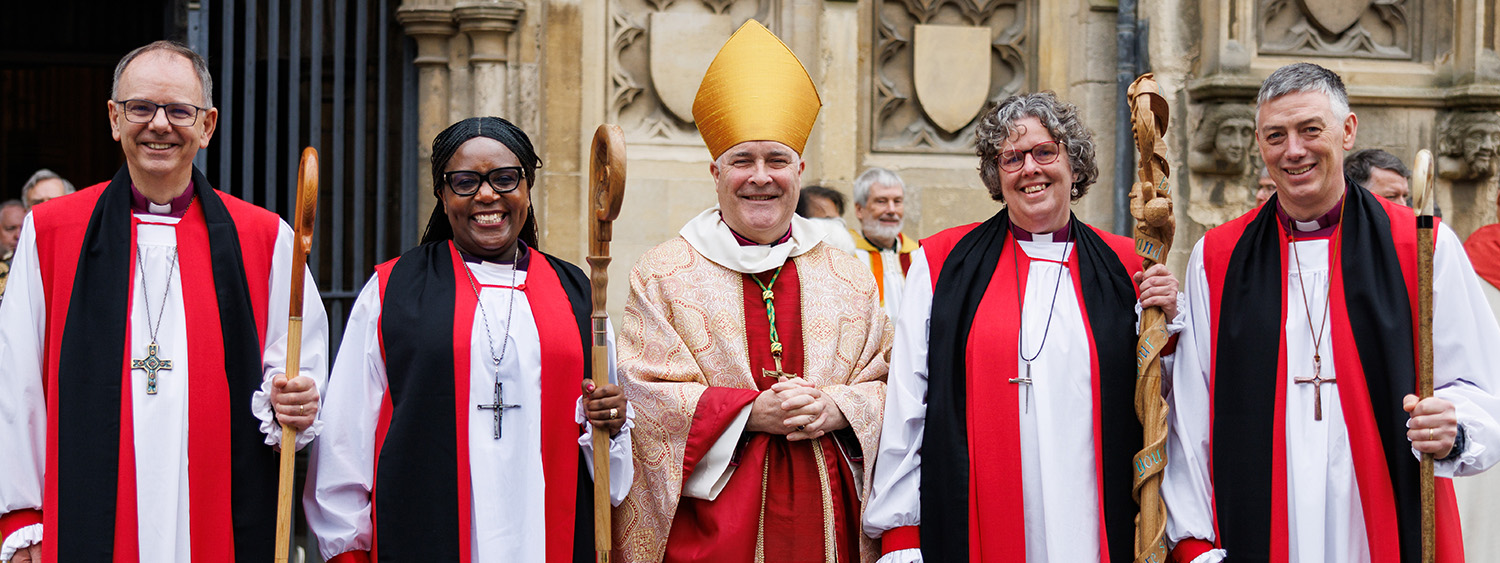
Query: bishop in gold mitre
[(754, 351)]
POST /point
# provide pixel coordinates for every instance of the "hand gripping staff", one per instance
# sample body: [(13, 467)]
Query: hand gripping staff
[(606, 193), (1151, 205), (307, 210), (1421, 187)]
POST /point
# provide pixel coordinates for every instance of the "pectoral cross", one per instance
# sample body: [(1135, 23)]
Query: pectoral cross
[(151, 364), (776, 355), (777, 373), (1317, 381), (499, 407), (1027, 382)]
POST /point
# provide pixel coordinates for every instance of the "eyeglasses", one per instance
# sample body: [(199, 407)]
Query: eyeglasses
[(143, 111), (466, 182), (1042, 153)]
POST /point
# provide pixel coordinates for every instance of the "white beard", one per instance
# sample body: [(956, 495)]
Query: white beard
[(881, 231)]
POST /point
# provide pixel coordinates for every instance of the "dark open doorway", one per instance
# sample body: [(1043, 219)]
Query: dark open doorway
[(57, 60)]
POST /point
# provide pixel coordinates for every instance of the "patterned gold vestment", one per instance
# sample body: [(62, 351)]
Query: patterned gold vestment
[(684, 331)]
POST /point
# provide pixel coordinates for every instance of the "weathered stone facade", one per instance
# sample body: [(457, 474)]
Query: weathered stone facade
[(902, 80)]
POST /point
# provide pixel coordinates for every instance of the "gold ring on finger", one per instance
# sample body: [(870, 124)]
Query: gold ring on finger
[(1430, 437), (614, 413)]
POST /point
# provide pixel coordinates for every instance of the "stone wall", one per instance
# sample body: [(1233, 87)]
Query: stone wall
[(902, 80)]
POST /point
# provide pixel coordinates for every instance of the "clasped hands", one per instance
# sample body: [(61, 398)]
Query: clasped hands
[(794, 407)]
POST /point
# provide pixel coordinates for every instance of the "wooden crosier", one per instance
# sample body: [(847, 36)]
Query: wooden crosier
[(607, 192), (1421, 187), (1151, 205), (307, 210)]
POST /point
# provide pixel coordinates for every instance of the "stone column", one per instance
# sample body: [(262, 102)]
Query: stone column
[(488, 25), (430, 24)]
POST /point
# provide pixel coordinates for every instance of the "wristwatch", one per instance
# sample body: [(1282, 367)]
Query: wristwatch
[(1459, 442)]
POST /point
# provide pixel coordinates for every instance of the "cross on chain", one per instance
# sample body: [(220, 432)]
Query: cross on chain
[(151, 364), (499, 407), (1027, 382), (1317, 381), (776, 349)]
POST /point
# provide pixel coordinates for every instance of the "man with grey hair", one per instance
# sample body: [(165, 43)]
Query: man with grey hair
[(1310, 290), (1265, 187), (145, 339), (12, 213), (880, 205), (43, 185), (1380, 172)]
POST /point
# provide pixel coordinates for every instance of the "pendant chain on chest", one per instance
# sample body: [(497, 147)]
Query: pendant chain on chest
[(1025, 378), (499, 405), (1317, 380), (769, 296), (153, 362)]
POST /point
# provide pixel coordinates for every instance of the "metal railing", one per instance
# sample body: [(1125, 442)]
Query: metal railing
[(295, 73)]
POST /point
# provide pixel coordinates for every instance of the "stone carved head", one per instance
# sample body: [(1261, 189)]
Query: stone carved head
[(1223, 141), (1469, 145)]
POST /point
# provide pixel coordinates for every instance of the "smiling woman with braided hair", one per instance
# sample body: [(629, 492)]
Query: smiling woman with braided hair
[(457, 419)]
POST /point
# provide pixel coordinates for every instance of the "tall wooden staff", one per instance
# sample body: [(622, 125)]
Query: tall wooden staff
[(1421, 180), (607, 192), (307, 210), (1151, 204)]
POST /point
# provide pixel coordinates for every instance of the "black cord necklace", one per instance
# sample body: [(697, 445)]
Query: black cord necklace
[(1051, 308)]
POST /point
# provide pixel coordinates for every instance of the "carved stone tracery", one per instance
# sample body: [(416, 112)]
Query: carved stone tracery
[(634, 101), (1366, 29), (899, 123)]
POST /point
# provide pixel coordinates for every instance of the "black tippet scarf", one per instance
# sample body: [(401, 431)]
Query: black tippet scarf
[(1376, 298), (1109, 297), (415, 458), (89, 363)]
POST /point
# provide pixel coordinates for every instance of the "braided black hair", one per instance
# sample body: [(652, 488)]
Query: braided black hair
[(447, 143)]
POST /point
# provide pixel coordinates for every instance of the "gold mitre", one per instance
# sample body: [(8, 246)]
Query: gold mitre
[(755, 90)]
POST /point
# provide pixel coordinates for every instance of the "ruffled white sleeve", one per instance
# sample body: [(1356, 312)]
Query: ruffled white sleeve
[(314, 358)]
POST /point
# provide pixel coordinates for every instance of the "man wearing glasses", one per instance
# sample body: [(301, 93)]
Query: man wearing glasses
[(124, 436)]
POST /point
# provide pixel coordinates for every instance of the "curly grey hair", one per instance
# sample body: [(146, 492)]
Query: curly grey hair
[(1062, 122)]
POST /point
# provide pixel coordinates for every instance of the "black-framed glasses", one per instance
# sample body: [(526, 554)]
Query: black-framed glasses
[(466, 182), (143, 111), (1042, 153)]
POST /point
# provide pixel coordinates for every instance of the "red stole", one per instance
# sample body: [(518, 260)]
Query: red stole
[(1378, 494), (789, 516), (562, 373), (210, 476)]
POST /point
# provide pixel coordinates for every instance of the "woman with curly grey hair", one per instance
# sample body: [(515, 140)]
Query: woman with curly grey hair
[(1032, 318)]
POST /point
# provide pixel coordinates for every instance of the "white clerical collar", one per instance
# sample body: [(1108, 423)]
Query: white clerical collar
[(708, 234)]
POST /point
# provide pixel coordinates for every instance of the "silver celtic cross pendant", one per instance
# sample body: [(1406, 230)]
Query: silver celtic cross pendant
[(151, 364)]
